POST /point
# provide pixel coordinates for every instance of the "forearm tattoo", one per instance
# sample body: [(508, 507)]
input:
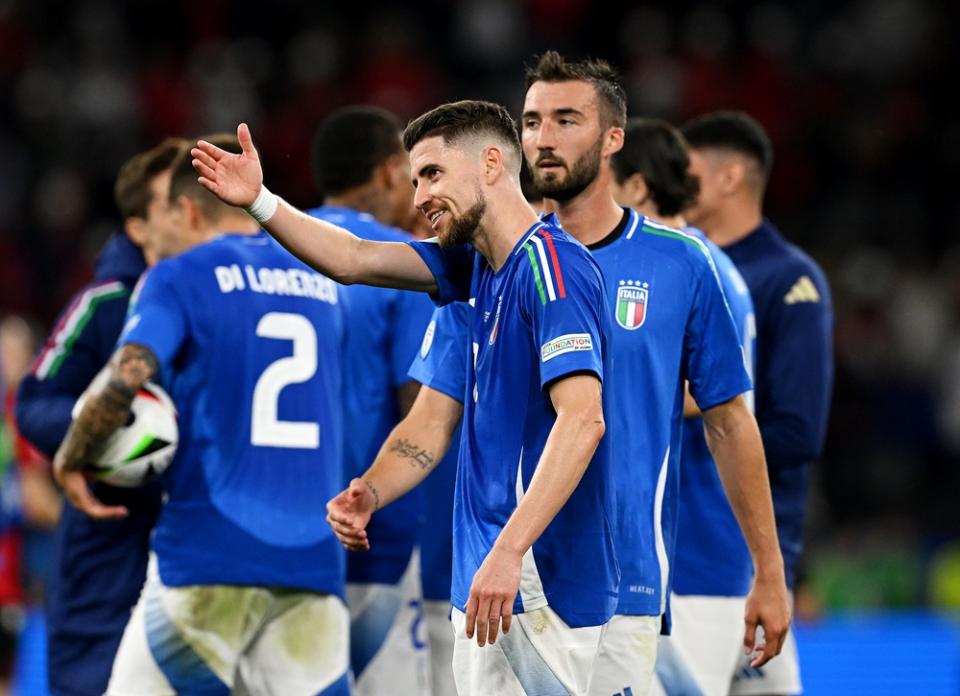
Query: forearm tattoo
[(103, 413), (417, 455)]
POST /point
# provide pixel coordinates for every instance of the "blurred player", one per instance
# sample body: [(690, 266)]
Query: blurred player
[(672, 323), (731, 155), (364, 175), (443, 373), (531, 510), (244, 590), (98, 565), (712, 568)]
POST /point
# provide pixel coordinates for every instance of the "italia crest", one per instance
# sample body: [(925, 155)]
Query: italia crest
[(632, 298)]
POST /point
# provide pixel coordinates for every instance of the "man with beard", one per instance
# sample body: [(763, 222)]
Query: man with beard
[(533, 489), (672, 324)]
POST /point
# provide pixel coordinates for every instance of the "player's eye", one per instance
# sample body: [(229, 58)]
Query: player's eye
[(530, 123)]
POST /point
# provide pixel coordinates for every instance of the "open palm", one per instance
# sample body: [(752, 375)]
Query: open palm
[(235, 179)]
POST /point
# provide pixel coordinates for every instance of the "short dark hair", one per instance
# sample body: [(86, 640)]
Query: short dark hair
[(463, 119), (732, 130), (350, 144), (552, 67), (131, 191), (183, 177), (657, 151)]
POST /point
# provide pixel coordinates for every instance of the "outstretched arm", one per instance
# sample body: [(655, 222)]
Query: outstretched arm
[(104, 411), (237, 179), (734, 441), (408, 455)]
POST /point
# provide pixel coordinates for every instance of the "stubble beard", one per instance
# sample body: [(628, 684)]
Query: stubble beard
[(583, 173), (463, 228)]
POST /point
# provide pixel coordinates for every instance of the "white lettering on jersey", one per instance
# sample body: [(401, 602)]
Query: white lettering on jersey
[(276, 281)]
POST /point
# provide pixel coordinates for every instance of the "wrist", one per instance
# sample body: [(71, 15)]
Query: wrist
[(264, 205)]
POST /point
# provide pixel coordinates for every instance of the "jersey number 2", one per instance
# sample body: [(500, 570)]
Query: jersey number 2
[(265, 429)]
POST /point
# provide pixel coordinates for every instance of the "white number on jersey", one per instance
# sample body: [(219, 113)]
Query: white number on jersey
[(265, 429)]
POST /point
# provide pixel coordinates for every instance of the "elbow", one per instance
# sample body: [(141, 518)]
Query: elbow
[(593, 425)]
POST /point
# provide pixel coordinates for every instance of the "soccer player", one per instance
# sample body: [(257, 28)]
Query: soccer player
[(244, 590), (712, 568), (98, 565), (731, 155), (531, 527), (364, 175), (443, 373), (672, 324)]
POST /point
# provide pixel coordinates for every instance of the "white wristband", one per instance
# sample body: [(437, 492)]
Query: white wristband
[(265, 205)]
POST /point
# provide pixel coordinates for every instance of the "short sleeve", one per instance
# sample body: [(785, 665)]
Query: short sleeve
[(157, 319), (442, 361), (714, 358), (564, 300), (452, 268), (412, 312)]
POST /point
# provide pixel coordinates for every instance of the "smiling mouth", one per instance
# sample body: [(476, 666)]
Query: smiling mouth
[(435, 216)]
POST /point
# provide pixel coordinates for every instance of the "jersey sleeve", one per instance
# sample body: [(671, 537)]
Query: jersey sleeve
[(452, 269), (412, 313), (714, 359), (796, 371), (442, 360), (564, 301), (81, 343), (157, 319)]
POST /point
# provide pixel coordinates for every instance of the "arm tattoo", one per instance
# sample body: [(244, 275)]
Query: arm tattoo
[(103, 413), (376, 494), (416, 454)]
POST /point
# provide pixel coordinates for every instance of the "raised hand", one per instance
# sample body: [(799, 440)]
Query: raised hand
[(235, 179), (349, 514)]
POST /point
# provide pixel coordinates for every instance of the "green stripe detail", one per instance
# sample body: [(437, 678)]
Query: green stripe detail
[(531, 254), (677, 235), (622, 312), (144, 443), (78, 329)]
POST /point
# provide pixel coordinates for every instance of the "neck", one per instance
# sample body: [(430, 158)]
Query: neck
[(732, 224), (364, 199), (230, 223), (590, 215), (649, 211), (502, 226)]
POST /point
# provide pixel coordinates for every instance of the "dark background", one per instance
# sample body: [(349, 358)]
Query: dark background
[(855, 95)]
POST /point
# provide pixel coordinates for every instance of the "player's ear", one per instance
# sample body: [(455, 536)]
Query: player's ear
[(612, 141), (732, 175), (394, 172), (493, 163), (136, 229), (192, 215), (637, 189)]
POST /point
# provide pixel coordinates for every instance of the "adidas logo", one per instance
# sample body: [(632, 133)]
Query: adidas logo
[(802, 291)]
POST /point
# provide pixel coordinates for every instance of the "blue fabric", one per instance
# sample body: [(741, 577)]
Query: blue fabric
[(249, 341), (442, 364), (794, 375), (712, 557), (670, 323), (542, 316), (385, 327), (98, 568)]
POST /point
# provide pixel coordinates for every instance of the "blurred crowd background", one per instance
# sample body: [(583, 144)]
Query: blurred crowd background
[(857, 98)]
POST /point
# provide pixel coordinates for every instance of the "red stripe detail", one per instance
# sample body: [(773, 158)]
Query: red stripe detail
[(144, 394), (557, 275)]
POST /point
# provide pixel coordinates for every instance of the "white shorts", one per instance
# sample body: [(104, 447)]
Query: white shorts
[(436, 616), (218, 639), (540, 656), (389, 649), (705, 645), (780, 676), (625, 661)]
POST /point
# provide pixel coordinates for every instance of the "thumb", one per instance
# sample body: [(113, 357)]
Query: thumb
[(246, 140)]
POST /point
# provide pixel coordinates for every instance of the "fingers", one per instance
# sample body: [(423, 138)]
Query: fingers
[(79, 495), (210, 150), (506, 611), (773, 644), (246, 140), (493, 622), (203, 165), (471, 617), (749, 634)]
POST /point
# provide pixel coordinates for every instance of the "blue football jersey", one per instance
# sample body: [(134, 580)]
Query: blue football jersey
[(384, 330), (442, 364), (542, 316), (671, 323), (249, 343), (712, 557)]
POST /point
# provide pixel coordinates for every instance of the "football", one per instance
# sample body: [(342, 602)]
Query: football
[(144, 447)]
